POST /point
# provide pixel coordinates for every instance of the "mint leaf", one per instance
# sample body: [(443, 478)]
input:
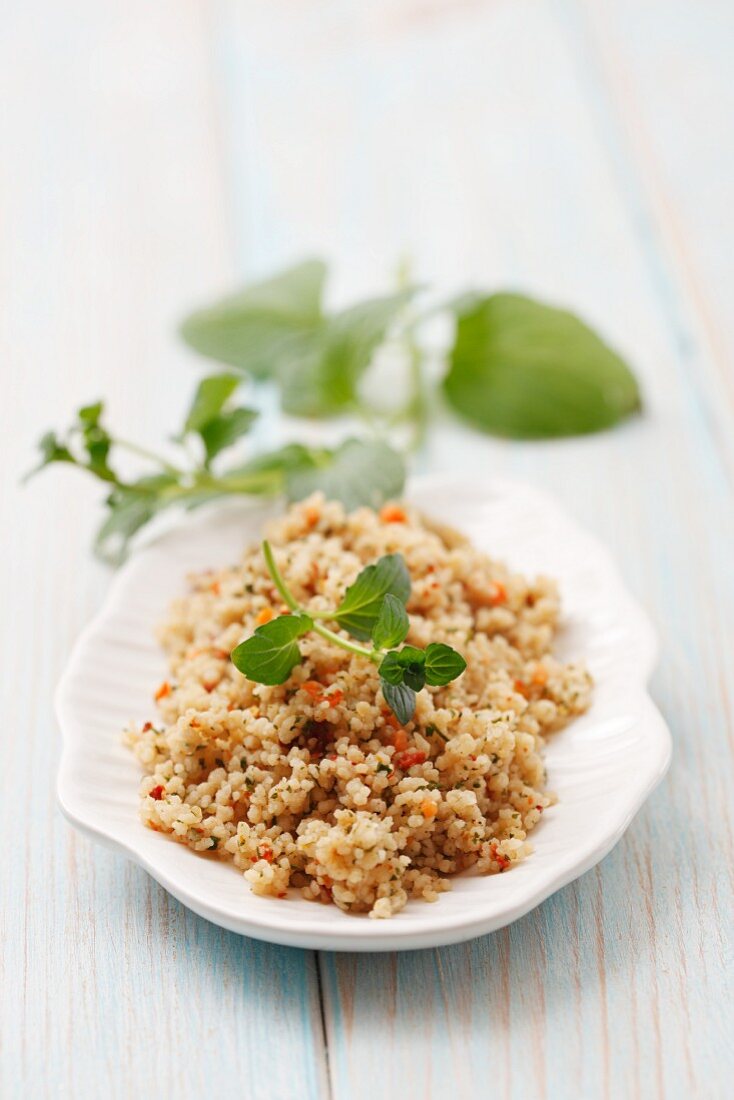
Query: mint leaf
[(401, 700), (210, 398), (392, 623), (362, 601), (224, 430), (443, 664), (130, 508), (390, 668), (323, 380), (264, 327), (271, 654), (356, 473), (522, 369), (52, 450)]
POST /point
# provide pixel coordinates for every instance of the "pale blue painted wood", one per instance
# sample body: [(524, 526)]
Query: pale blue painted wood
[(493, 142), (489, 143)]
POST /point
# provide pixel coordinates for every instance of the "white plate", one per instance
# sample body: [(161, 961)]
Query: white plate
[(602, 766)]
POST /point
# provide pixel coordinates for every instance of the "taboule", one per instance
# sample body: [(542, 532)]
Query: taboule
[(313, 784)]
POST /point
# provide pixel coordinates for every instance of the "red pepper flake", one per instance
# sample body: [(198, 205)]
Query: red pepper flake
[(158, 792), (163, 691), (407, 759), (267, 855), (539, 809), (147, 726), (282, 894), (332, 756)]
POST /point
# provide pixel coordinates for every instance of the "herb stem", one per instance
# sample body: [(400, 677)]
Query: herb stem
[(288, 598), (290, 601), (373, 655), (143, 452)]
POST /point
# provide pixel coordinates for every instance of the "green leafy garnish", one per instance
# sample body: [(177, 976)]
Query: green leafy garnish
[(517, 368), (359, 610), (271, 654), (356, 472), (266, 326), (401, 700), (522, 369), (392, 623), (443, 664)]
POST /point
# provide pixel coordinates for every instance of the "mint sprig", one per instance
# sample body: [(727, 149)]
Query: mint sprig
[(356, 472), (373, 609)]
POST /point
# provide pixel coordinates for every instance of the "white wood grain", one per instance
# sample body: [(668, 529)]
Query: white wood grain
[(578, 150)]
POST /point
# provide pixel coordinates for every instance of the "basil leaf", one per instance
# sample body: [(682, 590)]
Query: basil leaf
[(360, 607), (522, 369), (356, 473), (266, 325), (271, 654), (392, 623), (401, 700), (210, 398), (443, 664), (222, 431), (323, 380)]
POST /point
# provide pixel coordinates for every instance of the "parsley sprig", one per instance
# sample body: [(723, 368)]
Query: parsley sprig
[(372, 610)]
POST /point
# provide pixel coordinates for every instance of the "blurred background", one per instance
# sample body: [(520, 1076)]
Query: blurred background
[(155, 155)]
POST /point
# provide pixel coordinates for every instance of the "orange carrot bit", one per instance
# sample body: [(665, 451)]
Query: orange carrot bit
[(392, 513), (312, 516), (540, 676), (264, 616), (521, 687), (400, 740), (313, 688), (333, 697), (215, 588), (499, 595), (163, 691), (429, 809)]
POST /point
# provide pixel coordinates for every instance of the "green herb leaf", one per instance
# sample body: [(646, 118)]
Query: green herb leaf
[(356, 473), (392, 623), (323, 380), (443, 664), (129, 510), (224, 430), (210, 398), (390, 668), (266, 326), (52, 450), (522, 369), (271, 654), (413, 661), (401, 700), (362, 601)]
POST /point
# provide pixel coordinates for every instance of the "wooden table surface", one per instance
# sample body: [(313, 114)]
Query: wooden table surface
[(152, 155)]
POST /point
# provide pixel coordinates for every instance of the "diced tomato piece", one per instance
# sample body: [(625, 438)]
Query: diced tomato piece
[(407, 759)]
